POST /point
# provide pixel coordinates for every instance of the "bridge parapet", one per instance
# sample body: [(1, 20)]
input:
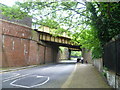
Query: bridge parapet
[(51, 31), (58, 40)]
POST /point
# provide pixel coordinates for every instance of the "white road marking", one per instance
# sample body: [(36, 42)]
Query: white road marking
[(12, 83), (12, 76), (41, 83), (15, 77), (75, 67), (39, 76), (18, 69)]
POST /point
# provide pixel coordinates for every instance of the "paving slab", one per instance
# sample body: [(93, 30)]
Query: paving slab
[(85, 76)]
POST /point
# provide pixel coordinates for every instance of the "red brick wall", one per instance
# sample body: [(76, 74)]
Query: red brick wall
[(20, 47), (16, 44), (15, 51), (41, 54), (33, 53), (16, 30), (48, 55)]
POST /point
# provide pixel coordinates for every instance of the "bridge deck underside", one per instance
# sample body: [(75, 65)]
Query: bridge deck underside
[(59, 40), (71, 47)]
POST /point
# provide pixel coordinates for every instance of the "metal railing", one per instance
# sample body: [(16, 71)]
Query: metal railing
[(111, 55)]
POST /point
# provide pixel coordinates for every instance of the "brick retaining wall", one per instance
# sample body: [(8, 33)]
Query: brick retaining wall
[(20, 46)]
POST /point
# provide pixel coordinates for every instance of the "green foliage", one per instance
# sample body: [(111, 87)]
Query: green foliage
[(97, 52), (105, 71), (61, 49), (12, 12), (54, 26), (49, 23), (105, 19), (57, 32), (89, 41), (104, 74), (68, 5), (76, 53), (91, 24)]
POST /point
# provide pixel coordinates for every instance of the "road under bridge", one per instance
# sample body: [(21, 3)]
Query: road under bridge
[(22, 45)]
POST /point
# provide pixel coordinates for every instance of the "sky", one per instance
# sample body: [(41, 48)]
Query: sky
[(8, 2), (12, 2)]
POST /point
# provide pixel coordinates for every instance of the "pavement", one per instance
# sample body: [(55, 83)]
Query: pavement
[(85, 76)]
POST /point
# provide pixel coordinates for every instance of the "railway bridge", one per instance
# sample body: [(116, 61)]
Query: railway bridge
[(22, 45)]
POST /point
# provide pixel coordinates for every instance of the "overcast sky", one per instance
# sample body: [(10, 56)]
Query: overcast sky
[(8, 2)]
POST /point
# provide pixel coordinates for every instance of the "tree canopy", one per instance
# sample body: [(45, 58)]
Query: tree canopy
[(90, 24)]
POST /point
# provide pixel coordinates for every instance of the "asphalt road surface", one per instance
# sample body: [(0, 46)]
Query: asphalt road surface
[(47, 76)]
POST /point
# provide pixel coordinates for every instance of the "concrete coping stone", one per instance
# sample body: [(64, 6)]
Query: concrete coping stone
[(16, 23)]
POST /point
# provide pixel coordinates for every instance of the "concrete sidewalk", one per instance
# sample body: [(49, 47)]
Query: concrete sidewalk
[(85, 76)]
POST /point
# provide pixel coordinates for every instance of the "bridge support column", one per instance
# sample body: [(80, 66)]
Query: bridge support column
[(87, 55), (69, 57), (44, 55)]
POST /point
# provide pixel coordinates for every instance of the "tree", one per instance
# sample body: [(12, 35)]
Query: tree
[(90, 24), (105, 22), (105, 19)]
